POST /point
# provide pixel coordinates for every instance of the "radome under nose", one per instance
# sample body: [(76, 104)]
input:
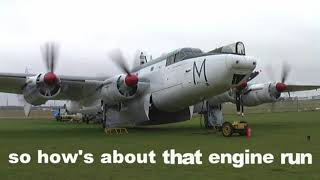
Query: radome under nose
[(240, 67), (241, 64)]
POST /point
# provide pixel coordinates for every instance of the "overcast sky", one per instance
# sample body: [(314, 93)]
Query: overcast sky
[(272, 31)]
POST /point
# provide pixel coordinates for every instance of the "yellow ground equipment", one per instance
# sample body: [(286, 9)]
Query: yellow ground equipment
[(111, 131), (71, 117), (239, 127)]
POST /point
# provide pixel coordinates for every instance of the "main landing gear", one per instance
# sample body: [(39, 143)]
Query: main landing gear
[(106, 123)]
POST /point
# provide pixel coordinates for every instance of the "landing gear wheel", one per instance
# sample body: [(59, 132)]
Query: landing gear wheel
[(227, 129)]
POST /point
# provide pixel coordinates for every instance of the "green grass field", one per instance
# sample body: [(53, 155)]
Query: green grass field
[(273, 133)]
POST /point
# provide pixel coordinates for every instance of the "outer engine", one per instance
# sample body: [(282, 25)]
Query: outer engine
[(253, 95), (261, 93), (40, 88)]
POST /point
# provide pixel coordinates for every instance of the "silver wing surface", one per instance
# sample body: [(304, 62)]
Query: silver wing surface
[(295, 87), (72, 87)]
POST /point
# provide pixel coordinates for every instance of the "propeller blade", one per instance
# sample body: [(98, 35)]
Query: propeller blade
[(53, 58), (117, 57), (49, 51), (45, 54), (285, 72)]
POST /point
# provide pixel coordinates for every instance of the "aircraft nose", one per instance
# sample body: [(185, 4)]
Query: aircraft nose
[(240, 67), (241, 64)]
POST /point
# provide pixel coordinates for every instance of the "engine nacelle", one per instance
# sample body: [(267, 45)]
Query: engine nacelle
[(262, 93), (115, 90), (37, 92), (72, 107)]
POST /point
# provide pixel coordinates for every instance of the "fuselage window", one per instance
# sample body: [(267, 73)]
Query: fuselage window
[(151, 68)]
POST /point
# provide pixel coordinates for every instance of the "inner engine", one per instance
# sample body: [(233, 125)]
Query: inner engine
[(120, 88)]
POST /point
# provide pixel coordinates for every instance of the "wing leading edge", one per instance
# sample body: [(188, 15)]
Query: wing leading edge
[(294, 87)]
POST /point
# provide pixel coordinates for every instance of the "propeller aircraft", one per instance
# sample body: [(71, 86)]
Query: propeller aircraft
[(160, 91)]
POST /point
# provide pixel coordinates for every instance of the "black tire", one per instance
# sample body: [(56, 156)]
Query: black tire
[(227, 129)]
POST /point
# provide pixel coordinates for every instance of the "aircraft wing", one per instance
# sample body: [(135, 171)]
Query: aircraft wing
[(294, 87), (72, 87), (77, 88), (13, 82)]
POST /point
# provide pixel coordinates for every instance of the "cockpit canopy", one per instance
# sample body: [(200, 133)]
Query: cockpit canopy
[(182, 54), (186, 53), (235, 48)]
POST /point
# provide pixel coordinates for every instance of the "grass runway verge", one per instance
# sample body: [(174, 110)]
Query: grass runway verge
[(271, 133)]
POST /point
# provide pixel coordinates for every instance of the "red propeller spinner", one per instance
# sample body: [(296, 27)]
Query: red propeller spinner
[(131, 80), (50, 79), (281, 87), (117, 57), (243, 85)]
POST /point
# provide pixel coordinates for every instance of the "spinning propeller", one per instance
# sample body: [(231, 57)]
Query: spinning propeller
[(50, 80), (131, 80), (50, 52), (281, 86)]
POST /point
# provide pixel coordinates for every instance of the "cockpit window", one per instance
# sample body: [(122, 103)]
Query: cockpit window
[(182, 54), (235, 48), (185, 53), (240, 48)]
